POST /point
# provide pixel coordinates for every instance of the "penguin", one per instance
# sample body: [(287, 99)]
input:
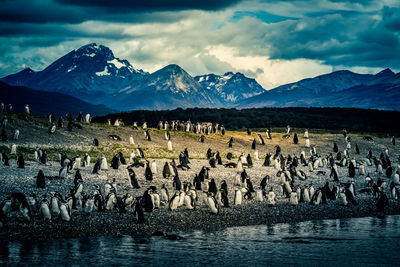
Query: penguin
[(148, 173), (213, 204), (115, 162), (189, 202), (44, 208), (271, 198), (237, 200), (111, 200), (177, 183), (89, 205), (307, 143), (343, 198), (394, 191), (54, 204), (21, 161), (138, 212), (316, 198), (13, 149), (166, 171), (295, 139), (259, 195), (86, 160), (164, 197), (253, 145), (169, 145), (350, 196), (65, 211), (95, 142), (16, 134), (98, 199), (261, 140), (40, 180), (104, 165), (306, 194), (352, 171), (140, 152), (147, 201), (174, 201), (97, 166), (293, 198), (131, 140)]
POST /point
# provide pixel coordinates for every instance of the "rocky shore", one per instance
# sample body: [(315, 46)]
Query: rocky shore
[(112, 223)]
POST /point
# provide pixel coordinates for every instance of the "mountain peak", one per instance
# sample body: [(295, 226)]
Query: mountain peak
[(92, 50), (385, 73)]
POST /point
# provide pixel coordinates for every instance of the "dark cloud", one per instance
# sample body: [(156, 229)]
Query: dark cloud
[(152, 5)]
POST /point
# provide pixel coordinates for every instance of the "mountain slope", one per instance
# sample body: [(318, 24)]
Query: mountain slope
[(167, 88), (44, 103), (90, 73), (323, 91), (230, 87)]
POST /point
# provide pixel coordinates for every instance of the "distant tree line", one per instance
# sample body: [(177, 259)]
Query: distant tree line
[(234, 119)]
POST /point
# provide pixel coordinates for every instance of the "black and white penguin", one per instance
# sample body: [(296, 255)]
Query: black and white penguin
[(97, 166), (352, 170), (65, 211), (271, 198), (177, 183), (95, 142), (264, 182), (98, 199), (394, 191), (40, 180), (140, 152), (230, 142), (316, 198), (111, 200), (147, 135), (295, 139), (147, 201), (350, 196), (138, 212), (115, 162), (174, 201), (147, 173), (261, 140), (132, 179), (45, 209), (213, 204), (164, 195), (253, 144), (21, 161), (166, 171), (237, 200)]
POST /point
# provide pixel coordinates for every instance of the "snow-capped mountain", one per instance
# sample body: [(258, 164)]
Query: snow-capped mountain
[(230, 87), (336, 89), (91, 73), (167, 88)]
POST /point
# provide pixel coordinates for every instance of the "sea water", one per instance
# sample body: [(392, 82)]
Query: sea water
[(358, 241)]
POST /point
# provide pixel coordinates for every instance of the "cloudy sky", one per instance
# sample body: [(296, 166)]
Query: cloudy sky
[(275, 42)]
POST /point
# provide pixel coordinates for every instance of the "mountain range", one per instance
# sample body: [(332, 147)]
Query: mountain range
[(43, 103), (93, 74)]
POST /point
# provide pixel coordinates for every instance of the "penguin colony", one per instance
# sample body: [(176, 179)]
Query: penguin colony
[(281, 179)]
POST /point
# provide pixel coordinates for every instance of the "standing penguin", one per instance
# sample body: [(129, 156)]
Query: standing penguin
[(237, 200), (132, 179), (253, 145), (169, 145), (40, 180), (138, 212), (147, 173), (20, 161), (393, 140), (295, 139), (44, 208), (213, 204), (177, 183), (352, 170)]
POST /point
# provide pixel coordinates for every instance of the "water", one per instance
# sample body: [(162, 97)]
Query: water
[(360, 241)]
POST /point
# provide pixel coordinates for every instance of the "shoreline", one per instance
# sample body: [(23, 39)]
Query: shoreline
[(113, 224)]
